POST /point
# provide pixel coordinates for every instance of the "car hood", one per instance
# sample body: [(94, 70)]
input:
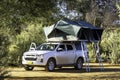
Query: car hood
[(35, 52)]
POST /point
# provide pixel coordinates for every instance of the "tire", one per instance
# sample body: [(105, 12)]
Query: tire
[(28, 68), (79, 64), (50, 66)]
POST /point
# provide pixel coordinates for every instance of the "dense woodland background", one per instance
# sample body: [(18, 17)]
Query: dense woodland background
[(22, 22)]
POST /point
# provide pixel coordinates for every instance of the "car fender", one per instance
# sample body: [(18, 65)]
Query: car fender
[(49, 55)]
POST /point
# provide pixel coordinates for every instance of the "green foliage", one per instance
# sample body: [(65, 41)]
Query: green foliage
[(19, 21), (91, 52), (4, 42), (16, 14), (33, 33), (115, 56), (110, 45)]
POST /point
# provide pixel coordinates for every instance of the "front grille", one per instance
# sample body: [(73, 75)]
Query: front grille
[(31, 59), (30, 55)]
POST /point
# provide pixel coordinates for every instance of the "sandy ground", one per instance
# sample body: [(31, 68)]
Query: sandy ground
[(110, 72)]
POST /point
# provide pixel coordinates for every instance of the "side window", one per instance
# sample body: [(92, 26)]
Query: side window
[(78, 46), (62, 47), (69, 47)]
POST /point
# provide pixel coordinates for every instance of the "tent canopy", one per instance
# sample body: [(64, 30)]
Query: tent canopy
[(72, 30)]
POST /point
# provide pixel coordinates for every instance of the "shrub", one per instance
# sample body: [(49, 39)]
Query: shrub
[(22, 41), (111, 45)]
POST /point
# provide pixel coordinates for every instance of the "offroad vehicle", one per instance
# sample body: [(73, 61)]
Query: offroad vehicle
[(55, 54)]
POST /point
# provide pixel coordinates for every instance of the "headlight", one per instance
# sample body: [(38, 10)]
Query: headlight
[(40, 55)]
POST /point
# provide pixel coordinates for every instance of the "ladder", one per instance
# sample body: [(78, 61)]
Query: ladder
[(85, 52), (97, 53)]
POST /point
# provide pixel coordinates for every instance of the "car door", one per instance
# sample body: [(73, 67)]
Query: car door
[(61, 54), (70, 54)]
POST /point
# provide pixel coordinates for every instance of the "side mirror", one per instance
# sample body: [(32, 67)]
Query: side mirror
[(60, 49)]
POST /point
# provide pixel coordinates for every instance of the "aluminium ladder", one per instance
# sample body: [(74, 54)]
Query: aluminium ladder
[(97, 53), (85, 52)]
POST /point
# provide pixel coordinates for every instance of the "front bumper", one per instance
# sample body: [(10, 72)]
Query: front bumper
[(37, 62)]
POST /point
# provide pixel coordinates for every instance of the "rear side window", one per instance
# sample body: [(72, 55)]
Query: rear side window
[(78, 46), (69, 47)]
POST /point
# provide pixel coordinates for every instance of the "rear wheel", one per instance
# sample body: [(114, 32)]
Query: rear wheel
[(79, 64), (28, 68), (50, 65)]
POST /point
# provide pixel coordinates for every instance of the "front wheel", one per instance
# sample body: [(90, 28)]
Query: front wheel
[(50, 65), (28, 68), (79, 64)]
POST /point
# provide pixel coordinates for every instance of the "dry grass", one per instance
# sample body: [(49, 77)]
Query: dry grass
[(111, 72)]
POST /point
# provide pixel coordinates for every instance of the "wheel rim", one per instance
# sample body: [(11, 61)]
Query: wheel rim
[(51, 65)]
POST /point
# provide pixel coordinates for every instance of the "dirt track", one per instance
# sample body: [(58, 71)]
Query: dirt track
[(110, 72)]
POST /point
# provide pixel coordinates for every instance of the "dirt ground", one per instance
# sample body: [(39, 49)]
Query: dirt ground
[(110, 72)]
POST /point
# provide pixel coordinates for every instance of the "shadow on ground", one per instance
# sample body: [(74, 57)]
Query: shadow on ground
[(72, 70)]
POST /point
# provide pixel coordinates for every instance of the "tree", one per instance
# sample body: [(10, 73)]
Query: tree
[(73, 9), (17, 15), (102, 13)]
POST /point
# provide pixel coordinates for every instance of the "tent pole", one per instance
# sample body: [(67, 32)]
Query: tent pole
[(97, 53), (85, 52)]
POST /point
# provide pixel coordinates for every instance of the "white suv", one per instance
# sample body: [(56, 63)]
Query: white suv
[(52, 55)]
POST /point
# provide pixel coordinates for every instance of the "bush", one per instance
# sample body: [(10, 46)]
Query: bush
[(111, 45), (115, 56), (91, 51), (22, 41)]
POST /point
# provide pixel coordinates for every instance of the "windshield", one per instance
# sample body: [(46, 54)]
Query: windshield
[(50, 47)]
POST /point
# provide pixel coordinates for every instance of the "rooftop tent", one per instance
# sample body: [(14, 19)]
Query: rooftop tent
[(91, 32), (62, 30), (72, 30)]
